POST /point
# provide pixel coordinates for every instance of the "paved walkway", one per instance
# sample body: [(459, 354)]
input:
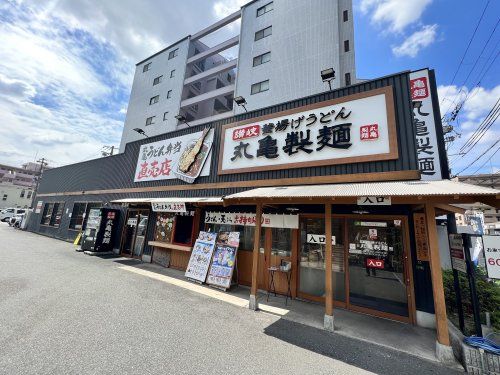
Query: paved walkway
[(63, 312)]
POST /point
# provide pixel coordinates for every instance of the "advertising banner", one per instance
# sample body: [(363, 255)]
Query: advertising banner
[(425, 126), (356, 130), (224, 259), (185, 157), (168, 206), (457, 253), (268, 220), (492, 255), (201, 256)]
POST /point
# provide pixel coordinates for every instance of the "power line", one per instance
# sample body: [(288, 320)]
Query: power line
[(491, 157), (479, 157)]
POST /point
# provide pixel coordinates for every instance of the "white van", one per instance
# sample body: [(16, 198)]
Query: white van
[(7, 213)]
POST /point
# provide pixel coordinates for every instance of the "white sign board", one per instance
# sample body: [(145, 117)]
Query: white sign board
[(168, 206), (249, 219), (492, 254), (201, 256), (457, 253), (38, 208), (319, 239), (427, 145), (160, 160), (351, 131), (374, 201)]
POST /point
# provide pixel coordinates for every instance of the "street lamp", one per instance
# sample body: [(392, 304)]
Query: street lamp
[(181, 118), (240, 100), (328, 75), (140, 131)]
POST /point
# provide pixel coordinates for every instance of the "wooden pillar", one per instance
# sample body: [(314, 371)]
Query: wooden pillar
[(443, 337), (255, 258), (328, 321)]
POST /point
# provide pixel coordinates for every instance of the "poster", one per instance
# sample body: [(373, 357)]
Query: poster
[(457, 253), (492, 255), (38, 208), (200, 256), (420, 226), (248, 219), (224, 259)]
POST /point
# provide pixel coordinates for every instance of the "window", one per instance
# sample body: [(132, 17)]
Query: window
[(57, 213), (183, 232), (22, 193), (150, 120), (261, 59), (266, 8), (175, 228), (4, 198), (348, 79), (346, 15), (346, 46), (80, 212), (173, 53), (172, 73), (29, 194), (146, 67), (157, 80), (169, 94), (263, 33), (229, 77), (259, 87), (154, 100), (47, 213), (165, 116)]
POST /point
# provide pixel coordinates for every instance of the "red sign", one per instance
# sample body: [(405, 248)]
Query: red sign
[(375, 263), (419, 88), (246, 132), (368, 132)]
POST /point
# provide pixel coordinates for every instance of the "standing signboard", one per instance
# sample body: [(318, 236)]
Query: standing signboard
[(429, 162), (222, 267), (492, 255), (457, 253), (200, 256)]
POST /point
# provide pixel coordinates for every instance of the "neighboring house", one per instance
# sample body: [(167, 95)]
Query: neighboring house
[(17, 184)]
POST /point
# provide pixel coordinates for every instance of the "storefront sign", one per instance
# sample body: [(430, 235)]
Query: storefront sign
[(457, 253), (370, 223), (268, 220), (108, 229), (201, 256), (38, 208), (132, 222), (337, 133), (221, 269), (420, 226), (185, 157), (168, 206), (375, 263), (425, 126), (492, 255), (374, 201), (319, 239)]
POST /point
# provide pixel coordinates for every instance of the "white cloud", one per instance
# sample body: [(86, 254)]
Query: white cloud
[(396, 14), (412, 45), (224, 8)]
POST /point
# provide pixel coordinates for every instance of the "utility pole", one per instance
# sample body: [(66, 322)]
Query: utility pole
[(105, 151), (43, 163)]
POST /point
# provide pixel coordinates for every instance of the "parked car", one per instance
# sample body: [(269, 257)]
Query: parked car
[(16, 220), (7, 213)]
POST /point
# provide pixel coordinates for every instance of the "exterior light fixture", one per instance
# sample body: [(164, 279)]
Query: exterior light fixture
[(181, 118), (328, 75), (240, 100), (140, 131)]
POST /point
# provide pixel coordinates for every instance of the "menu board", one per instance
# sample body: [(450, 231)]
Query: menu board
[(164, 227), (420, 226), (200, 256), (222, 267)]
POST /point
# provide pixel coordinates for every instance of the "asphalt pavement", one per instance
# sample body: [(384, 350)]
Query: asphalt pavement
[(63, 312)]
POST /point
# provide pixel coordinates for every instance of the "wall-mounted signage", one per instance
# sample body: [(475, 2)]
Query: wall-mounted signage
[(356, 128), (319, 239), (374, 201), (132, 222), (457, 253), (168, 206), (185, 157), (420, 226), (492, 255), (249, 219), (425, 126), (38, 208), (375, 263)]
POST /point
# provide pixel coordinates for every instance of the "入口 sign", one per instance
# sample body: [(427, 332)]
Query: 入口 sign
[(319, 239), (374, 201), (168, 206), (360, 128), (492, 255), (375, 263)]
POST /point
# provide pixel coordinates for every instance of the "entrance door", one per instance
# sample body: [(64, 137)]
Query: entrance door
[(377, 272), (135, 233)]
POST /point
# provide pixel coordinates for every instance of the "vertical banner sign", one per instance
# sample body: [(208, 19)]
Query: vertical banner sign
[(221, 269), (423, 116), (200, 256), (420, 226), (492, 255), (457, 253)]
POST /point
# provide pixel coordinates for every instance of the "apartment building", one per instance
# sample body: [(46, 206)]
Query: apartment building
[(17, 184), (277, 56)]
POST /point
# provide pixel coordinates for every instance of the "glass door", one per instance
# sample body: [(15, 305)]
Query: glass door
[(130, 231), (377, 266), (140, 236)]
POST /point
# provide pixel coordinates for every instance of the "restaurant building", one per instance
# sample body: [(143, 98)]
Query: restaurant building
[(364, 165)]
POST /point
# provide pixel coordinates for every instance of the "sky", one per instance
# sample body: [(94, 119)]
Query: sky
[(66, 66)]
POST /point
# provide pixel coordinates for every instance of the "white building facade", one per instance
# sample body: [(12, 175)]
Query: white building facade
[(283, 45)]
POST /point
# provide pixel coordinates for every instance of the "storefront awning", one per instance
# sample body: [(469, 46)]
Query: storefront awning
[(400, 191), (214, 200)]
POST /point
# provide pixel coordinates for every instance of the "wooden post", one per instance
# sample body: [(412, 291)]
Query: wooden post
[(328, 320), (253, 305), (443, 337)]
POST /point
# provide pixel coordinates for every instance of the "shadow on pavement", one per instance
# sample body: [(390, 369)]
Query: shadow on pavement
[(361, 354)]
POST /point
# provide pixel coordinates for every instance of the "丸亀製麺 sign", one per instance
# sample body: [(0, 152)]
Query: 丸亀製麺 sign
[(167, 159), (168, 206), (492, 256), (374, 201), (429, 162), (420, 226), (249, 219), (457, 253), (360, 128)]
